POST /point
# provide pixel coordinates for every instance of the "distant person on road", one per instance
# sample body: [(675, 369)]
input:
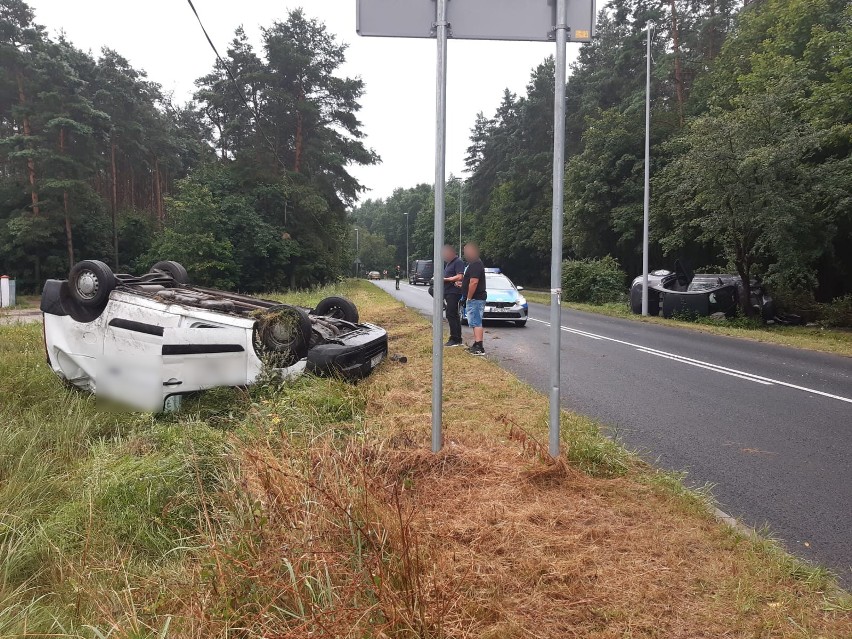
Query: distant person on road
[(473, 288), (398, 275), (453, 275)]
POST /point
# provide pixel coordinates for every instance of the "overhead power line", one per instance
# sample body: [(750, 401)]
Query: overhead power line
[(239, 90)]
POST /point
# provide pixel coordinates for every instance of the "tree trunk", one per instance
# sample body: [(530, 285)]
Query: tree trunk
[(710, 48), (677, 65), (158, 195), (300, 135), (22, 99), (69, 240), (744, 271), (114, 208), (297, 163)]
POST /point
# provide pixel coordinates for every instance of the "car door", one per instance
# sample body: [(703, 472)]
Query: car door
[(132, 364), (206, 350)]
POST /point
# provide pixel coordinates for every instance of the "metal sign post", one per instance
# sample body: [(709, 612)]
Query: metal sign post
[(646, 222), (528, 20), (441, 28), (556, 240)]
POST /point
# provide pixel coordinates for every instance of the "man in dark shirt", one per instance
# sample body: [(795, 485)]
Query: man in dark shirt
[(473, 287), (398, 275), (453, 274)]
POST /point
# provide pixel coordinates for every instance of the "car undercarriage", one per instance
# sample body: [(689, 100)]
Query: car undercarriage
[(143, 339)]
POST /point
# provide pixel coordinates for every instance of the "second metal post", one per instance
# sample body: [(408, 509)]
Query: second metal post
[(646, 223), (556, 248), (440, 181)]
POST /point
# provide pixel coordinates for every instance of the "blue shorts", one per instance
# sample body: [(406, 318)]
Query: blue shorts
[(474, 310)]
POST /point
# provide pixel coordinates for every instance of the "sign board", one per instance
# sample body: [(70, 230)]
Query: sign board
[(526, 20), (396, 18)]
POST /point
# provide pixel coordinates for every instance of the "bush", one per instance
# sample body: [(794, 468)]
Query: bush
[(834, 314), (593, 281), (837, 313)]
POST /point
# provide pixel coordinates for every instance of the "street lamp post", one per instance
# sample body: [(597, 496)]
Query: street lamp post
[(357, 253), (647, 200), (461, 192), (406, 246)]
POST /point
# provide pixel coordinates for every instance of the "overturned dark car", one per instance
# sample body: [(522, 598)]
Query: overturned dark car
[(684, 293), (148, 340)]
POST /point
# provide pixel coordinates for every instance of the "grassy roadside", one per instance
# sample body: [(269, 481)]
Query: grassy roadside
[(315, 509), (834, 341)]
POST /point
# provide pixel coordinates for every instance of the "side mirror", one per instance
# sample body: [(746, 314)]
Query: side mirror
[(520, 288)]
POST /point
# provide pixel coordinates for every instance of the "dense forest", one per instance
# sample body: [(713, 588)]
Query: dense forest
[(751, 150), (247, 184)]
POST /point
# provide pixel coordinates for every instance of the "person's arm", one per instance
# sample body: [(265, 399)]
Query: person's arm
[(471, 289), (459, 276)]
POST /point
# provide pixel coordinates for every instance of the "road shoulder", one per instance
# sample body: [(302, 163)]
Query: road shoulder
[(833, 341)]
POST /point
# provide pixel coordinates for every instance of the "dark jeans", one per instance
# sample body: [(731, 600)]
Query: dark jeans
[(453, 318), (397, 283)]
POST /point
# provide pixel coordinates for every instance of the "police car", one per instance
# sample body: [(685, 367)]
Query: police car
[(504, 303)]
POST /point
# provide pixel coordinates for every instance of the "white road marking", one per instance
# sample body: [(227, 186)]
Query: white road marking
[(569, 330), (702, 364), (715, 369), (696, 362)]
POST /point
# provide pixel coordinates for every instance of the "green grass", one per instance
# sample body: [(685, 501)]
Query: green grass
[(250, 508), (815, 338), (94, 502)]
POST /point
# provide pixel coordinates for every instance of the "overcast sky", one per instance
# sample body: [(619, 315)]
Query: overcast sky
[(163, 38)]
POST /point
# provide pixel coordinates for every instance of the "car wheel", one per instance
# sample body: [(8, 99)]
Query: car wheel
[(175, 270), (90, 282), (283, 333), (338, 308), (521, 323)]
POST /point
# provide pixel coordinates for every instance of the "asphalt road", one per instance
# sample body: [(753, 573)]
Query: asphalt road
[(769, 426)]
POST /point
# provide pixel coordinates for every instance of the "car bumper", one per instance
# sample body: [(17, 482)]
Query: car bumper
[(505, 315), (517, 313), (355, 358)]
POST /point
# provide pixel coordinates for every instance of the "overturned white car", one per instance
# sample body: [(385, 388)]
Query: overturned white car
[(146, 341)]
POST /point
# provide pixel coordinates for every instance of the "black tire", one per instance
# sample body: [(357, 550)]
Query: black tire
[(173, 269), (284, 334), (90, 282), (338, 308), (521, 323)]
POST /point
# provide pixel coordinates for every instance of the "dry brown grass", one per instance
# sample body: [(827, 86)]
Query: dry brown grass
[(333, 519), (490, 538)]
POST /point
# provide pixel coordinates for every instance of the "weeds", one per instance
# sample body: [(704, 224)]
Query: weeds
[(816, 338), (314, 508)]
